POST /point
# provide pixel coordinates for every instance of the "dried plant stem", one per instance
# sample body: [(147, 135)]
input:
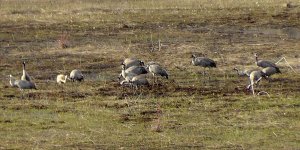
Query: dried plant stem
[(159, 46), (263, 92), (152, 48), (252, 88), (287, 63)]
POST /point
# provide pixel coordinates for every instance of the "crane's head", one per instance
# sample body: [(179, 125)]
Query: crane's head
[(147, 66), (142, 63), (193, 56), (68, 78), (119, 78), (235, 68), (123, 82), (255, 54), (123, 67)]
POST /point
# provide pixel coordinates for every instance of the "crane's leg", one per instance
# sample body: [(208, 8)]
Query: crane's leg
[(156, 79), (123, 88), (248, 87), (133, 89), (268, 78), (136, 90), (257, 81), (153, 81), (203, 72), (22, 93), (209, 72), (141, 90), (61, 87), (252, 87), (202, 75)]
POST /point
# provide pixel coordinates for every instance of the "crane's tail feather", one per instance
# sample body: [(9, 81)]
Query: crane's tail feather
[(277, 70)]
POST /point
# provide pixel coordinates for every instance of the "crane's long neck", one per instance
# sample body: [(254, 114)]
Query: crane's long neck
[(65, 80), (237, 71), (193, 60), (256, 59), (123, 73), (12, 81), (24, 69)]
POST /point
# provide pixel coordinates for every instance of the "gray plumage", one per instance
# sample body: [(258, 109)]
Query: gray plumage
[(125, 83), (12, 81), (61, 78), (152, 63), (139, 81), (255, 78), (76, 75), (245, 72), (126, 74), (21, 84), (25, 75), (203, 62), (135, 81), (136, 70), (157, 70), (269, 71), (129, 62), (265, 64)]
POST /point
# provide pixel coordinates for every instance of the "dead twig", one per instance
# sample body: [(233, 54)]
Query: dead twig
[(263, 92), (152, 48), (287, 63), (159, 45)]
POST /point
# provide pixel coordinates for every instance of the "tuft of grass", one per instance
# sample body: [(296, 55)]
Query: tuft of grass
[(63, 41)]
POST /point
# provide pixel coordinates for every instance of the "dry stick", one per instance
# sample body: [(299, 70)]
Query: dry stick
[(129, 45), (274, 133), (259, 44), (152, 43), (64, 66), (252, 87), (287, 63), (264, 93), (80, 62), (159, 45), (279, 60)]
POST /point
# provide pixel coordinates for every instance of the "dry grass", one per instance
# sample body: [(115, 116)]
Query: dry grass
[(187, 111)]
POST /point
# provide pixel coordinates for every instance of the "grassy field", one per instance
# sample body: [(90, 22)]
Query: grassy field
[(187, 111)]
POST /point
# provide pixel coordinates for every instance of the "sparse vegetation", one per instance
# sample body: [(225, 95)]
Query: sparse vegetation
[(186, 111)]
